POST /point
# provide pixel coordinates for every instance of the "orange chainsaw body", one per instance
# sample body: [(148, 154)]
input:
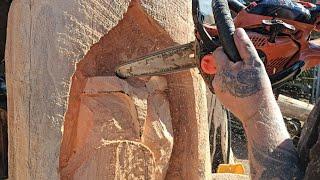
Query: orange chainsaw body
[(284, 51)]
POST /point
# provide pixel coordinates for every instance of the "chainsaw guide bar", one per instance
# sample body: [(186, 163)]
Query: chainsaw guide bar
[(174, 59)]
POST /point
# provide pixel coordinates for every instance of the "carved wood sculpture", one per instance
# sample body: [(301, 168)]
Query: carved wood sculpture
[(71, 118)]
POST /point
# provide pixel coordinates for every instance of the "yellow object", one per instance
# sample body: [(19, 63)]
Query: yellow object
[(231, 168)]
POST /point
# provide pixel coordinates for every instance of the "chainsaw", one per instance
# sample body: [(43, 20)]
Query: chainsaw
[(279, 29)]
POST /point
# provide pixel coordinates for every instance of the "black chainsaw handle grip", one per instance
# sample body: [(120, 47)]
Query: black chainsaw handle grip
[(236, 6), (226, 28)]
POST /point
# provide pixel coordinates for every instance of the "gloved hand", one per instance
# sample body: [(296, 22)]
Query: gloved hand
[(243, 87)]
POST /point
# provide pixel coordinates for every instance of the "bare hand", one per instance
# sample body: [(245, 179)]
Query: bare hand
[(242, 86), (245, 89)]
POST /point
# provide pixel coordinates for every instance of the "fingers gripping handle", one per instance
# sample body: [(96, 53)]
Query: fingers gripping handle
[(225, 28)]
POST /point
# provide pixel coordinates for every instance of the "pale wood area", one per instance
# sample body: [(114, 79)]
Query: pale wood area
[(45, 40), (294, 108)]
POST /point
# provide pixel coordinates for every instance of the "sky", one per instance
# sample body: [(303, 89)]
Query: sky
[(205, 6), (206, 9)]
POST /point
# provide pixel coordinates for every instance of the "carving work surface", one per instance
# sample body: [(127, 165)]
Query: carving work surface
[(60, 60), (107, 115), (118, 160), (158, 132), (45, 40)]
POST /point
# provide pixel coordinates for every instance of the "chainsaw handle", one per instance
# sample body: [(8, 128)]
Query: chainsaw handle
[(226, 28), (198, 19), (236, 6)]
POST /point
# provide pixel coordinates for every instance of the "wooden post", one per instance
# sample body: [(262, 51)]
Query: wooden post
[(294, 108)]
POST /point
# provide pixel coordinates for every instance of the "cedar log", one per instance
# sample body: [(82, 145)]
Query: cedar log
[(293, 108)]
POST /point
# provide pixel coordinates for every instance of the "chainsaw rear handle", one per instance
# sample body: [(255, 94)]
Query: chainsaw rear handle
[(226, 28), (198, 19), (236, 6)]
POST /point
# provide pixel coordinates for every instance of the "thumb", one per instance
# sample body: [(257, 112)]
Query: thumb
[(221, 59)]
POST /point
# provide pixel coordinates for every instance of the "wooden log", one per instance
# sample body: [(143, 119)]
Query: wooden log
[(55, 48), (190, 158), (294, 108)]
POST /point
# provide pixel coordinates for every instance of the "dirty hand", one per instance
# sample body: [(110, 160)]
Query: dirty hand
[(243, 87)]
